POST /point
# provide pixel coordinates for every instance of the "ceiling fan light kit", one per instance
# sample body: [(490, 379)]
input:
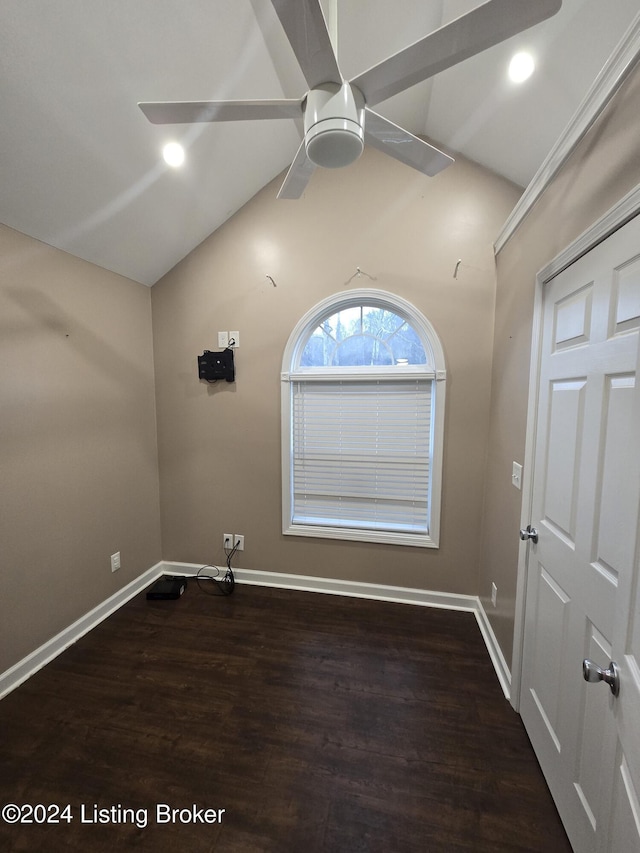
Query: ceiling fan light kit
[(334, 125), (338, 119)]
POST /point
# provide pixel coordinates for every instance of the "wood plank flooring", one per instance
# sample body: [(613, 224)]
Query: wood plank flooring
[(319, 723)]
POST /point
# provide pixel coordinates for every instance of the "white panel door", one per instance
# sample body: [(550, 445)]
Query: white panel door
[(583, 596)]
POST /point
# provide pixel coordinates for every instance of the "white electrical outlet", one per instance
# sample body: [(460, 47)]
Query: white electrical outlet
[(238, 539), (516, 475), (115, 561), (234, 339), (494, 594), (227, 541)]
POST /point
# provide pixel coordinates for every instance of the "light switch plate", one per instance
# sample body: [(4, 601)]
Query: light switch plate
[(516, 475), (223, 339)]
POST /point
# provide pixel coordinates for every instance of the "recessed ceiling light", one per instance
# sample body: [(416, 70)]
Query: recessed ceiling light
[(173, 154), (521, 67)]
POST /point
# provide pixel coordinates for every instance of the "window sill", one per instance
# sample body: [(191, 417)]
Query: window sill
[(388, 537)]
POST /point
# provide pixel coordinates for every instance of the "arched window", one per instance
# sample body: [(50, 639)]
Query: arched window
[(363, 381)]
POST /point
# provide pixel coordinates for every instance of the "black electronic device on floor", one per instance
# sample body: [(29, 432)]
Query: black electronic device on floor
[(167, 588)]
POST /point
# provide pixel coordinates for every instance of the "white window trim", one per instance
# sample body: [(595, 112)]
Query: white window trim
[(437, 370)]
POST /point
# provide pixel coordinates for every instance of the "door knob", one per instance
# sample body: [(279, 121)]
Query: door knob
[(592, 672), (529, 532)]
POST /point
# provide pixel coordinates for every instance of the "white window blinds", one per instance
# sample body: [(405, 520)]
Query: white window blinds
[(361, 453)]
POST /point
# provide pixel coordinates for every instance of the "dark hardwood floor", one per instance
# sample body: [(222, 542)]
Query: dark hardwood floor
[(317, 722)]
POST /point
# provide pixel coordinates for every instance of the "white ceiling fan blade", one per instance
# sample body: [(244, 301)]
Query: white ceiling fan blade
[(306, 29), (483, 27), (298, 175), (386, 136), (186, 112)]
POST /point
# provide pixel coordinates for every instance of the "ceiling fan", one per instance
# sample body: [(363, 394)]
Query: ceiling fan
[(337, 114)]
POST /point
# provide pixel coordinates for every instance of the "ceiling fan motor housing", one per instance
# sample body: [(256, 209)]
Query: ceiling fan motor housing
[(334, 125)]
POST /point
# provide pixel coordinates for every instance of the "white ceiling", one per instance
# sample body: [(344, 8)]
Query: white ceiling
[(81, 166)]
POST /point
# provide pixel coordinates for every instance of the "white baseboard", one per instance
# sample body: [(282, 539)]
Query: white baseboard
[(495, 652), (29, 665), (333, 586), (25, 668), (380, 592)]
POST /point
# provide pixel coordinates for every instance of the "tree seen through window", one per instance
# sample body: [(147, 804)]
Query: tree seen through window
[(363, 336)]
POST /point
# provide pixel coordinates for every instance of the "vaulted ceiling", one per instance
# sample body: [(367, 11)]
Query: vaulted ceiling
[(82, 168)]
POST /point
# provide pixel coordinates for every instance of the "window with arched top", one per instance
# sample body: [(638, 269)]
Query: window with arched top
[(363, 383)]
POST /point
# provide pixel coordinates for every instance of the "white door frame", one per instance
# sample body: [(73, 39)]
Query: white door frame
[(615, 218)]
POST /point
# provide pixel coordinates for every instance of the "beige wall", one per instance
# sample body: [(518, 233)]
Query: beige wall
[(219, 446), (604, 167), (78, 454)]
